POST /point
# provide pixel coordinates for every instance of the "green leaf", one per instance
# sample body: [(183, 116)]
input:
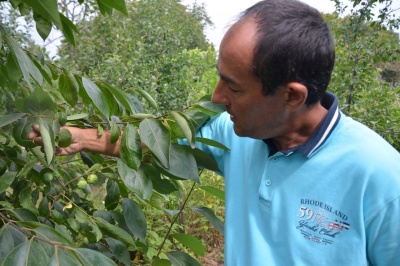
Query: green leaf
[(25, 199), (116, 232), (64, 257), (135, 219), (186, 126), (24, 215), (182, 164), (115, 132), (179, 258), (27, 253), (76, 117), (214, 191), (48, 9), (26, 65), (68, 91), (211, 142), (135, 180), (6, 179), (161, 185), (161, 262), (8, 119), (43, 68), (119, 250), (53, 235), (39, 155), (47, 135), (41, 104), (104, 10), (196, 117), (17, 235), (209, 214), (13, 70), (43, 207), (91, 257), (157, 138), (82, 217), (148, 98), (113, 194), (102, 99), (94, 93), (130, 147), (204, 160), (191, 242), (214, 108), (116, 4), (67, 28), (43, 26), (6, 242), (27, 168), (121, 97)]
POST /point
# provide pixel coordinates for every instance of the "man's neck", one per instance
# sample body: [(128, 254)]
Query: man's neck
[(301, 126)]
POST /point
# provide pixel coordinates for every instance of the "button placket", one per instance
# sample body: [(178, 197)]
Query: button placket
[(266, 187)]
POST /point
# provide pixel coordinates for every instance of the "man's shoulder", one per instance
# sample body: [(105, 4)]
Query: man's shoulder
[(362, 138), (355, 142)]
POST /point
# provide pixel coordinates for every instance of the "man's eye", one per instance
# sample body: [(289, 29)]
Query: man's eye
[(232, 89)]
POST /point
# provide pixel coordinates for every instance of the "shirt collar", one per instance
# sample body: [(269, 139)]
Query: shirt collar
[(321, 134)]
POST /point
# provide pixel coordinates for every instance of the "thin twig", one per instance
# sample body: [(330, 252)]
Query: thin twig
[(176, 217)]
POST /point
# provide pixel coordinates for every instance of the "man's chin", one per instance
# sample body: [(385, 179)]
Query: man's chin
[(239, 132)]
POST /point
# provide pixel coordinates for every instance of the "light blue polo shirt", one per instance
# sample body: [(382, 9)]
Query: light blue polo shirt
[(335, 200)]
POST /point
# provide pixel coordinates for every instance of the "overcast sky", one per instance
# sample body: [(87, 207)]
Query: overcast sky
[(223, 11)]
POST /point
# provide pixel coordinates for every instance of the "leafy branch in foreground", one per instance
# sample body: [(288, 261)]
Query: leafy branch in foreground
[(86, 208)]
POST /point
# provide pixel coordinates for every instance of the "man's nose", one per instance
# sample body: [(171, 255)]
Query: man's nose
[(219, 96)]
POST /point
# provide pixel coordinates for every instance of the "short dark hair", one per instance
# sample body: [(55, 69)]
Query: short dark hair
[(294, 45)]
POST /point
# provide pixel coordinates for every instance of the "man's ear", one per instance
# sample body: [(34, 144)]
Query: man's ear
[(296, 95)]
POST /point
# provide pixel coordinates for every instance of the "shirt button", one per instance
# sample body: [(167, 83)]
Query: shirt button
[(275, 159), (268, 183)]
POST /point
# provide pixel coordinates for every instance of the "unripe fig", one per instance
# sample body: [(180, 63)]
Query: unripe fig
[(48, 177), (92, 179), (62, 119), (64, 138), (82, 184)]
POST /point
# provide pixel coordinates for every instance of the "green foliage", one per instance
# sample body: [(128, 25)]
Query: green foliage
[(158, 52), (87, 208), (365, 43)]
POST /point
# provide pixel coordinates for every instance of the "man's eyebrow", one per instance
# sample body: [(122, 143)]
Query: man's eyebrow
[(223, 77)]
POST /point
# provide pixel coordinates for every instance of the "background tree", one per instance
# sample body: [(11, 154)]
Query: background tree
[(365, 45), (160, 48)]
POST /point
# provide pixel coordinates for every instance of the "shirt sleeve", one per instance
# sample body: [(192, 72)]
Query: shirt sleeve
[(383, 236)]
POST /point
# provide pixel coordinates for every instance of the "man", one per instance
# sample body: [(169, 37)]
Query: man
[(305, 185)]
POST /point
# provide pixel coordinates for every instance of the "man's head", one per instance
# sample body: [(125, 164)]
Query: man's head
[(272, 74), (293, 44)]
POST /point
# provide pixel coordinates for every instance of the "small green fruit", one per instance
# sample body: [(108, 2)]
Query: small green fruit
[(64, 138), (92, 179), (82, 184), (62, 119), (48, 177)]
